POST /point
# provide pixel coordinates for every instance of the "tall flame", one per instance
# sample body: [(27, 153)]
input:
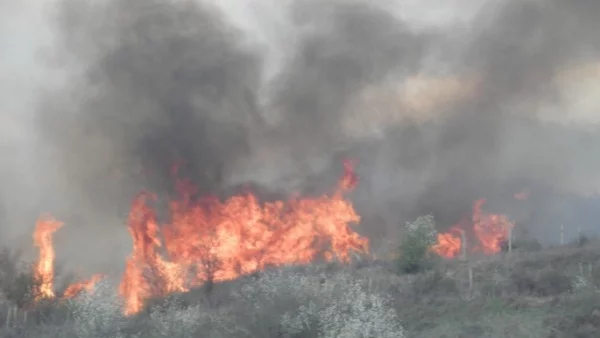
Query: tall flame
[(43, 270), (490, 229), (210, 240)]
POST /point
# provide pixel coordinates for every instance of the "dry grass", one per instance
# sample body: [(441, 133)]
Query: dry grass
[(548, 293)]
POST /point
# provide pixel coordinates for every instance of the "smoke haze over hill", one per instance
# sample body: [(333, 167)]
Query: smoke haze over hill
[(442, 103)]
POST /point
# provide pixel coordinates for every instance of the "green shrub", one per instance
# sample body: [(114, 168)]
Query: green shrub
[(434, 283), (17, 282), (547, 282), (418, 238)]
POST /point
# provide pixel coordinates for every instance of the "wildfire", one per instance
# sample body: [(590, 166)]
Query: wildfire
[(448, 244), (43, 270), (208, 240), (489, 230), (79, 287)]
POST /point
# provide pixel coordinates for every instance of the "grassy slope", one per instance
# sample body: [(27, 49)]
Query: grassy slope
[(551, 293)]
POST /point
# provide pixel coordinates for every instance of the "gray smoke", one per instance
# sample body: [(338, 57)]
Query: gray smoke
[(497, 142), (161, 82), (261, 93)]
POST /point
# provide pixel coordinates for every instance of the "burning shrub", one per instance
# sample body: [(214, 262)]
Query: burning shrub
[(419, 237), (287, 304)]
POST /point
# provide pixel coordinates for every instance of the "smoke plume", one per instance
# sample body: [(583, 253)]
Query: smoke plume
[(442, 103)]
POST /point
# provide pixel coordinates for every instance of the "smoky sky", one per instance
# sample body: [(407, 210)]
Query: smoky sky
[(148, 84), (495, 144), (163, 83)]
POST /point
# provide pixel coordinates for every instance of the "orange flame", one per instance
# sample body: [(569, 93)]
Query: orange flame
[(448, 244), (78, 287), (209, 240), (145, 260), (490, 230), (43, 270)]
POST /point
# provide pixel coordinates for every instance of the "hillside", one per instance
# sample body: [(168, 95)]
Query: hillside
[(550, 293)]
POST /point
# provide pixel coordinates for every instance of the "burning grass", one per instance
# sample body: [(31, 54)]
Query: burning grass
[(206, 240), (242, 268), (551, 293)]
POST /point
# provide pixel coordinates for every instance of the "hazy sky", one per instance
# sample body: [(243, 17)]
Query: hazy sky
[(24, 33)]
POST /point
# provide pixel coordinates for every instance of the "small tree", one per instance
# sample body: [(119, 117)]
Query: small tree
[(418, 238), (17, 283)]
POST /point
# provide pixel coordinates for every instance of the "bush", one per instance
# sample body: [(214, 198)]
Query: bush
[(525, 245), (547, 282), (582, 241), (97, 314), (435, 284), (284, 304), (16, 280), (418, 238)]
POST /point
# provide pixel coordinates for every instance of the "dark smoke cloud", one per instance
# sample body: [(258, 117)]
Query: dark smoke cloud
[(153, 82), (163, 82), (495, 144), (348, 46)]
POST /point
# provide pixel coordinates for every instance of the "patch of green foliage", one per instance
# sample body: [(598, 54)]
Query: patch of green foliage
[(414, 250)]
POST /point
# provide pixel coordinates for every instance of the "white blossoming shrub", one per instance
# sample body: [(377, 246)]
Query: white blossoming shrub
[(424, 228), (580, 282), (174, 320), (97, 314), (418, 238), (300, 305)]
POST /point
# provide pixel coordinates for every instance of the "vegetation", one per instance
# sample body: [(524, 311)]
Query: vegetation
[(416, 241), (544, 293)]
